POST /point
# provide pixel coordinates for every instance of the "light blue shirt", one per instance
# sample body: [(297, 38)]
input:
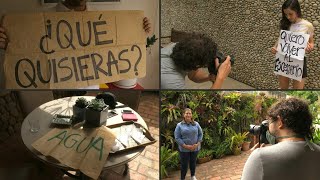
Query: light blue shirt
[(189, 134)]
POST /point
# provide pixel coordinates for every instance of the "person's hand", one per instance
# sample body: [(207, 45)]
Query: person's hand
[(261, 146), (195, 146), (217, 63), (3, 38), (310, 47), (274, 50), (224, 69), (146, 25), (189, 147)]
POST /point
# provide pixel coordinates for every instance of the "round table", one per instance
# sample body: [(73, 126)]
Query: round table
[(45, 114)]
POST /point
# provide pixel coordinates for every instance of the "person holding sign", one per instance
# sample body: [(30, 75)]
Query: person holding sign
[(293, 22), (185, 58), (64, 6)]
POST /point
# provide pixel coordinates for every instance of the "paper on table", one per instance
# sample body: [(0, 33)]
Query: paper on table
[(83, 149)]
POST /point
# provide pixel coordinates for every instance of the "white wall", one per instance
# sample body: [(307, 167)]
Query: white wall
[(150, 7)]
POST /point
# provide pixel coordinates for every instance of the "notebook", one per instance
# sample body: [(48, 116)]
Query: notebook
[(129, 117)]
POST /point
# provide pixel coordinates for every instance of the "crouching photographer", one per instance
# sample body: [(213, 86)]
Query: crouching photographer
[(291, 155), (187, 57)]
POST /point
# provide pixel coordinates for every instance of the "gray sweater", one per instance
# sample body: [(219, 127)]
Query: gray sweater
[(172, 77), (285, 160)]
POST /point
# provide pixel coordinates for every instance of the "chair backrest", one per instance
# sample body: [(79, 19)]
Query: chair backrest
[(30, 100)]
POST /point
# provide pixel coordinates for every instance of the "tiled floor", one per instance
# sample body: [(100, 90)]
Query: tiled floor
[(226, 168), (16, 161), (229, 83)]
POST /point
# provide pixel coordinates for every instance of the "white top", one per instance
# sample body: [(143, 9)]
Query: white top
[(302, 26)]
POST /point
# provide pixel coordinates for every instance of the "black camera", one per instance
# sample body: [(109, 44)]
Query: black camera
[(260, 130), (108, 98), (211, 65)]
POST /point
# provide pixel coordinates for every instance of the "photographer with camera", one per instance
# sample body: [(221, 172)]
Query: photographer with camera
[(291, 156), (185, 58)]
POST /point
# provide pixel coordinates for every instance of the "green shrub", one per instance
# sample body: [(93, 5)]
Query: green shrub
[(166, 156)]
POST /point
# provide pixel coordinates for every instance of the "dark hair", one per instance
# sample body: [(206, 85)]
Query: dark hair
[(188, 109), (194, 53), (295, 115), (293, 5)]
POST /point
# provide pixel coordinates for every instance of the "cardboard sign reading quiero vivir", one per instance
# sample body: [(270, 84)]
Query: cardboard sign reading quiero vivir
[(291, 51), (73, 49)]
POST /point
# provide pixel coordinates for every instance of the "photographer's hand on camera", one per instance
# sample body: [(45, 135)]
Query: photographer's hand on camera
[(259, 146), (223, 72)]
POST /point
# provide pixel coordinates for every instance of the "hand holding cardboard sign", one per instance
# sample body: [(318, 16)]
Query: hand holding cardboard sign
[(310, 47), (3, 36), (274, 50), (146, 25)]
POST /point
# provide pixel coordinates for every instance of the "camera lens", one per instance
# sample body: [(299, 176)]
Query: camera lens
[(255, 129)]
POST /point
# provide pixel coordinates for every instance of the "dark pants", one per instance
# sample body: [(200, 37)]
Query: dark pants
[(187, 158)]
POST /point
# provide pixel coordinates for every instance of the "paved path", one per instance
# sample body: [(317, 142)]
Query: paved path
[(226, 168)]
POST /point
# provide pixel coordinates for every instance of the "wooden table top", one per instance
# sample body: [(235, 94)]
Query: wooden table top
[(45, 114)]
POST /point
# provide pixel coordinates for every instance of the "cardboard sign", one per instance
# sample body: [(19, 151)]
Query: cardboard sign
[(290, 55), (288, 67), (292, 44), (86, 150), (73, 49)]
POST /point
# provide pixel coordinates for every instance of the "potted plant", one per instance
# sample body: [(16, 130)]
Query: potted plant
[(221, 149), (79, 109), (236, 142), (246, 144), (205, 155), (97, 112)]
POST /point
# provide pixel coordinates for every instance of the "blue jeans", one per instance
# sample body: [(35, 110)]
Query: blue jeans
[(187, 158)]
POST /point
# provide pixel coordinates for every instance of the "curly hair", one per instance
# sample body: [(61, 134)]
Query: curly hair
[(196, 52), (295, 115), (293, 5)]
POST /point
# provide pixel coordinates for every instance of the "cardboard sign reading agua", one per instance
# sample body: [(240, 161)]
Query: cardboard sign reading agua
[(73, 49), (86, 150), (290, 55)]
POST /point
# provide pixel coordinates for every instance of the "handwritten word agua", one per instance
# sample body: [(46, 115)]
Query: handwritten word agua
[(73, 141)]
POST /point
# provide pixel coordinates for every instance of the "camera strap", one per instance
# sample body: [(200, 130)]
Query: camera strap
[(308, 143)]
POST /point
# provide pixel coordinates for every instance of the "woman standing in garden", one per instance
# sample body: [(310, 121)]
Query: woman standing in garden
[(188, 135)]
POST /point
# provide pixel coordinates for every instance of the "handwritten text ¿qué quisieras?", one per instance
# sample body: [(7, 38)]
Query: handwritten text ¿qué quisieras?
[(96, 62)]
